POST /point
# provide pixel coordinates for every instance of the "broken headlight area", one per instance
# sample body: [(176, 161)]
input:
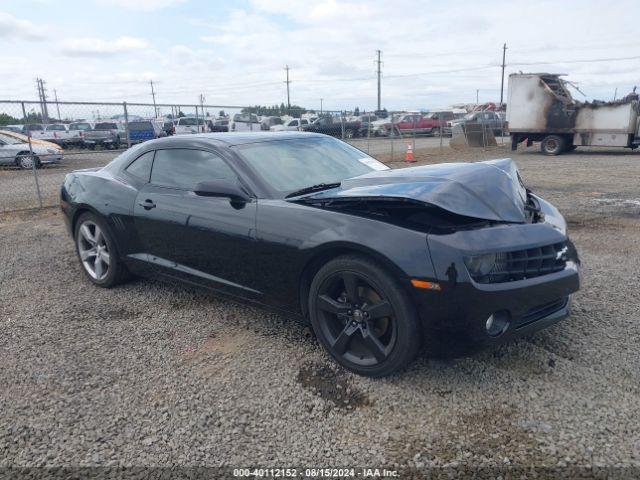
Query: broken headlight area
[(518, 264)]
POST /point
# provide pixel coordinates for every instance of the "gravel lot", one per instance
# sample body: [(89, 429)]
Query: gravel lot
[(148, 374)]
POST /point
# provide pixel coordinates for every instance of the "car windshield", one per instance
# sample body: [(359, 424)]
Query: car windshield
[(470, 116), (80, 126), (290, 165), (9, 140)]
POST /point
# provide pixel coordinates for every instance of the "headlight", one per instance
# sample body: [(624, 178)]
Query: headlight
[(480, 265)]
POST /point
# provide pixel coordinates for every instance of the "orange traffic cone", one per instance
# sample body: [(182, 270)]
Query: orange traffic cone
[(409, 155)]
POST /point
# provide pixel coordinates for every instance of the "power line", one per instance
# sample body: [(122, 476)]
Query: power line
[(591, 60)]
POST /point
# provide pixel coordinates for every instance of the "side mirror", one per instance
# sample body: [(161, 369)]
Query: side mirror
[(222, 188)]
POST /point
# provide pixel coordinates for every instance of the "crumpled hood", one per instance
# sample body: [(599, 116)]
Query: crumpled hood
[(490, 190)]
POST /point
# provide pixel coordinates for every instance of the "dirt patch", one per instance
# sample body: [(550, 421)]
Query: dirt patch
[(28, 215), (331, 385)]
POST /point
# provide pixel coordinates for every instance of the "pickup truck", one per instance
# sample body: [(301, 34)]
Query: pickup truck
[(334, 126), (76, 132), (107, 134), (418, 123), (57, 133)]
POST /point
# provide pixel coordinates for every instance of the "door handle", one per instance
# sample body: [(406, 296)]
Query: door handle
[(147, 204)]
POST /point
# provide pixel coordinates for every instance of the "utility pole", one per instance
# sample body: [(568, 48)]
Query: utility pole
[(288, 98), (55, 94), (202, 111), (504, 55), (320, 106), (153, 94), (477, 94), (379, 73), (42, 94)]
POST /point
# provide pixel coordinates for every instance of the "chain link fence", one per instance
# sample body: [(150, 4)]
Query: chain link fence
[(41, 142)]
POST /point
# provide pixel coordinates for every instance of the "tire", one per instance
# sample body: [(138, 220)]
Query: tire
[(25, 161), (91, 250), (344, 297), (571, 148), (552, 145)]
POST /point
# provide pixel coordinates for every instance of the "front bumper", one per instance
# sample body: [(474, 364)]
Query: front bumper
[(49, 159), (455, 319)]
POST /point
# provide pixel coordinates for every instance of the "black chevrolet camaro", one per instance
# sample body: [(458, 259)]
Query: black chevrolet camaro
[(382, 262)]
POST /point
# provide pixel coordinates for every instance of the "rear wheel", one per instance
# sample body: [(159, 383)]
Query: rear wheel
[(97, 253), (362, 317), (552, 145)]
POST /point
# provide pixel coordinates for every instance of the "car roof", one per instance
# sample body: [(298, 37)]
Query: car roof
[(241, 138)]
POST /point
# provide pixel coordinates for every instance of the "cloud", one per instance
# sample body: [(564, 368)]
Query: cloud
[(140, 5), (15, 28), (87, 47)]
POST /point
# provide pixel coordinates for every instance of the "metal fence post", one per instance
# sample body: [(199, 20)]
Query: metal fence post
[(368, 133), (251, 120), (391, 136), (24, 112), (126, 124), (413, 139), (342, 123), (35, 172)]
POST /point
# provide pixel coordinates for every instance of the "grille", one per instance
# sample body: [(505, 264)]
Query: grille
[(529, 263), (541, 311)]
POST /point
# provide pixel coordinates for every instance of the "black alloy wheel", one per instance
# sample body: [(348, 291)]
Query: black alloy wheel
[(362, 317)]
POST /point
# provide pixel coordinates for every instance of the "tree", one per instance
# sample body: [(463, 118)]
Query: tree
[(181, 114), (221, 113), (356, 112)]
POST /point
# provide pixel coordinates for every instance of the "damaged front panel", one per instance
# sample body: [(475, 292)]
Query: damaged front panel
[(454, 194)]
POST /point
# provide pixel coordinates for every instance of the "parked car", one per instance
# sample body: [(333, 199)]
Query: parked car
[(13, 128), (449, 257), (243, 122), (143, 130), (34, 141), (57, 133), (76, 132), (334, 126), (267, 122), (291, 125), (105, 134), (17, 152), (187, 125), (491, 119), (366, 124), (169, 127), (219, 125)]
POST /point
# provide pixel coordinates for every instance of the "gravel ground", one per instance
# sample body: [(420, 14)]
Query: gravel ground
[(147, 374)]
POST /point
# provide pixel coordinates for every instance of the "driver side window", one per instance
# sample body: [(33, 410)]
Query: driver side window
[(185, 168)]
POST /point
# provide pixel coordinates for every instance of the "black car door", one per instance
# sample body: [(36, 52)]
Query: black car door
[(204, 240)]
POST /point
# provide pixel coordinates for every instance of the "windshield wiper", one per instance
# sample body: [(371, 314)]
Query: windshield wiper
[(313, 188)]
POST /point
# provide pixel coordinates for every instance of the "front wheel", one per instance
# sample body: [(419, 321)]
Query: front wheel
[(552, 145), (27, 161), (362, 317)]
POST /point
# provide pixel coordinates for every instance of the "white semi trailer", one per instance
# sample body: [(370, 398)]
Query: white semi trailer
[(540, 108)]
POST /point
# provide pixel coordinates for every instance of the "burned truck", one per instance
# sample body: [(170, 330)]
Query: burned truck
[(540, 108)]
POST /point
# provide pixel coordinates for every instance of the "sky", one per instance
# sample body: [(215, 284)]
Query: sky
[(434, 53)]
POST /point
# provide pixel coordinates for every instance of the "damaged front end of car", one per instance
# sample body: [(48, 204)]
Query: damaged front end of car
[(500, 253)]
